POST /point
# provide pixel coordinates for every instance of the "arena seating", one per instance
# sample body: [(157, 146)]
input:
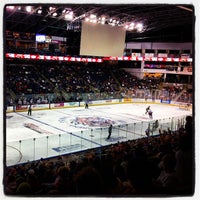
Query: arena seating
[(42, 78)]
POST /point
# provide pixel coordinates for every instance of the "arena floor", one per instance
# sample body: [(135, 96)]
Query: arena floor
[(49, 133)]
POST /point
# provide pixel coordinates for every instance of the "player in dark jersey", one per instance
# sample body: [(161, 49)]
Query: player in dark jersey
[(109, 131), (30, 109), (147, 109), (86, 105)]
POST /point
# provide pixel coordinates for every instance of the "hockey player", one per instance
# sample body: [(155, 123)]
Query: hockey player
[(29, 109), (147, 109), (155, 125), (86, 105), (147, 131), (150, 113), (109, 131)]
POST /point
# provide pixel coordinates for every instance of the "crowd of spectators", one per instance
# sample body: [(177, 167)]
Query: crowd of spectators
[(69, 78), (178, 92), (69, 81), (159, 165)]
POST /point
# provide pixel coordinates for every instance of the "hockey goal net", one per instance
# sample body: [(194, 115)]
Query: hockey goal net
[(184, 106)]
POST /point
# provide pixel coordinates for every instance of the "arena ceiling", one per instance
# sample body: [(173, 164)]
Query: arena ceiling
[(161, 22)]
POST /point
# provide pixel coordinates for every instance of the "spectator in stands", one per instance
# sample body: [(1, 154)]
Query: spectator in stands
[(88, 181), (189, 125), (33, 181), (184, 163), (139, 171), (10, 185), (62, 184), (125, 186), (24, 189), (167, 181)]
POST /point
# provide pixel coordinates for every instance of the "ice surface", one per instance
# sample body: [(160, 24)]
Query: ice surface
[(53, 132)]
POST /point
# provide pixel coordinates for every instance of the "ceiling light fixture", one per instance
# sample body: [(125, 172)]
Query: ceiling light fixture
[(10, 7), (54, 14), (39, 11), (93, 16), (51, 8), (28, 9), (113, 21), (69, 15), (87, 19), (64, 11), (139, 27)]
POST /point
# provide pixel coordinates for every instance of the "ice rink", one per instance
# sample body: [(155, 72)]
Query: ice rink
[(49, 133)]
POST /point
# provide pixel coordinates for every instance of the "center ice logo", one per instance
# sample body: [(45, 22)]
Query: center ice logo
[(89, 121), (93, 121)]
